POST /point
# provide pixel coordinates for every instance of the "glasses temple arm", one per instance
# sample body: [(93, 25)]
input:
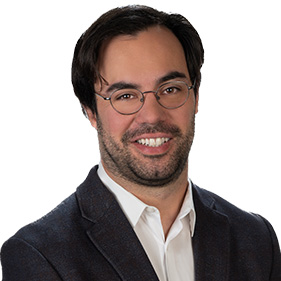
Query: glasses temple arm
[(102, 96)]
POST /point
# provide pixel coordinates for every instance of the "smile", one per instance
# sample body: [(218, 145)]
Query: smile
[(153, 142)]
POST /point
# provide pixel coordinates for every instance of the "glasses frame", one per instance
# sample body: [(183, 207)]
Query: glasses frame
[(142, 100)]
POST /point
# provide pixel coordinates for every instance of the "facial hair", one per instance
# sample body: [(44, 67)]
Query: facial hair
[(150, 170)]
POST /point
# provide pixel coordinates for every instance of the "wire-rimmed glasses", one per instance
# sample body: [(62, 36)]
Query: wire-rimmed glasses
[(170, 95)]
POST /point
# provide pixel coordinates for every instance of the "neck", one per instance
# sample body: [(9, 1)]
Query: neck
[(168, 199)]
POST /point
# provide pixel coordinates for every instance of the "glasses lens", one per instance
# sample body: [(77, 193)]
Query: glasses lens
[(173, 94), (126, 101)]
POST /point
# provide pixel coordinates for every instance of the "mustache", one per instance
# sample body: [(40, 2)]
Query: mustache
[(145, 128)]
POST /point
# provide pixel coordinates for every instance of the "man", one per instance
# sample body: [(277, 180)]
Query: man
[(137, 216)]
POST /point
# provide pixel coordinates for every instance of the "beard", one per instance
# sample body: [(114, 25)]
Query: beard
[(150, 170)]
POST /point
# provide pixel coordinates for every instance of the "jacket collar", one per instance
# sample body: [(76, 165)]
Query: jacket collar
[(111, 232), (211, 241)]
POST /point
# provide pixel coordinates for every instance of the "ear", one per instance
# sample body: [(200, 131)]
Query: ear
[(91, 116)]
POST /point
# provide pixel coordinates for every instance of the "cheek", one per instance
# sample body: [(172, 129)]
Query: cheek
[(184, 116), (114, 123), (189, 108)]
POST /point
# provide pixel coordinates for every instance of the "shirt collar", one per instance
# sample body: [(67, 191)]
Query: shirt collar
[(133, 207)]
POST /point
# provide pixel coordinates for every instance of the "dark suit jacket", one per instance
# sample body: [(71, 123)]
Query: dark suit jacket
[(87, 237)]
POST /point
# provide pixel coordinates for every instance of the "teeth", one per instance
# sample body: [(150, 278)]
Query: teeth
[(153, 142)]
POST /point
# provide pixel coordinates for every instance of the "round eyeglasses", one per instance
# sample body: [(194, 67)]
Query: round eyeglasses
[(170, 95)]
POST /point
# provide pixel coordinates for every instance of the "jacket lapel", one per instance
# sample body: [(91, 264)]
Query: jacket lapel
[(211, 245), (111, 232), (114, 237)]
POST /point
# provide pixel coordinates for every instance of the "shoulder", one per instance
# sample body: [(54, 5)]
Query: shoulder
[(26, 255), (54, 226), (64, 220), (251, 237), (240, 220)]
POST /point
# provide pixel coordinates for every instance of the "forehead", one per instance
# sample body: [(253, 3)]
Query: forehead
[(148, 54)]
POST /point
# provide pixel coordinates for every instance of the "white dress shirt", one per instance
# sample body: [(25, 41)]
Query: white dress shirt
[(171, 258)]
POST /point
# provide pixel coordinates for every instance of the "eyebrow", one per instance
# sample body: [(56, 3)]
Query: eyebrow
[(121, 85), (170, 76), (124, 85)]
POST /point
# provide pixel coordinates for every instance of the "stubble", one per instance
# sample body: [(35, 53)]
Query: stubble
[(150, 170)]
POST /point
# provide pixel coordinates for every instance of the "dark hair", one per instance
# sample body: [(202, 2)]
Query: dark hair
[(129, 20)]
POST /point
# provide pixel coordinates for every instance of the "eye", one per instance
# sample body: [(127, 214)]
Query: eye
[(171, 90), (125, 95)]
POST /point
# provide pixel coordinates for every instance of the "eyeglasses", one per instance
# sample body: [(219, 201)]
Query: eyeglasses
[(170, 95)]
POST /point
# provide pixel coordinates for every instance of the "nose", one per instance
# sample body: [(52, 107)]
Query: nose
[(151, 111)]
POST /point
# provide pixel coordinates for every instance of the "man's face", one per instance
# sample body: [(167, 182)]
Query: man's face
[(144, 60)]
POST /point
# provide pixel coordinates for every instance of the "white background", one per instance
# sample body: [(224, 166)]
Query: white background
[(48, 147)]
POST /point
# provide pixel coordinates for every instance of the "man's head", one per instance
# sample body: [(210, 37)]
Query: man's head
[(128, 20), (149, 146)]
